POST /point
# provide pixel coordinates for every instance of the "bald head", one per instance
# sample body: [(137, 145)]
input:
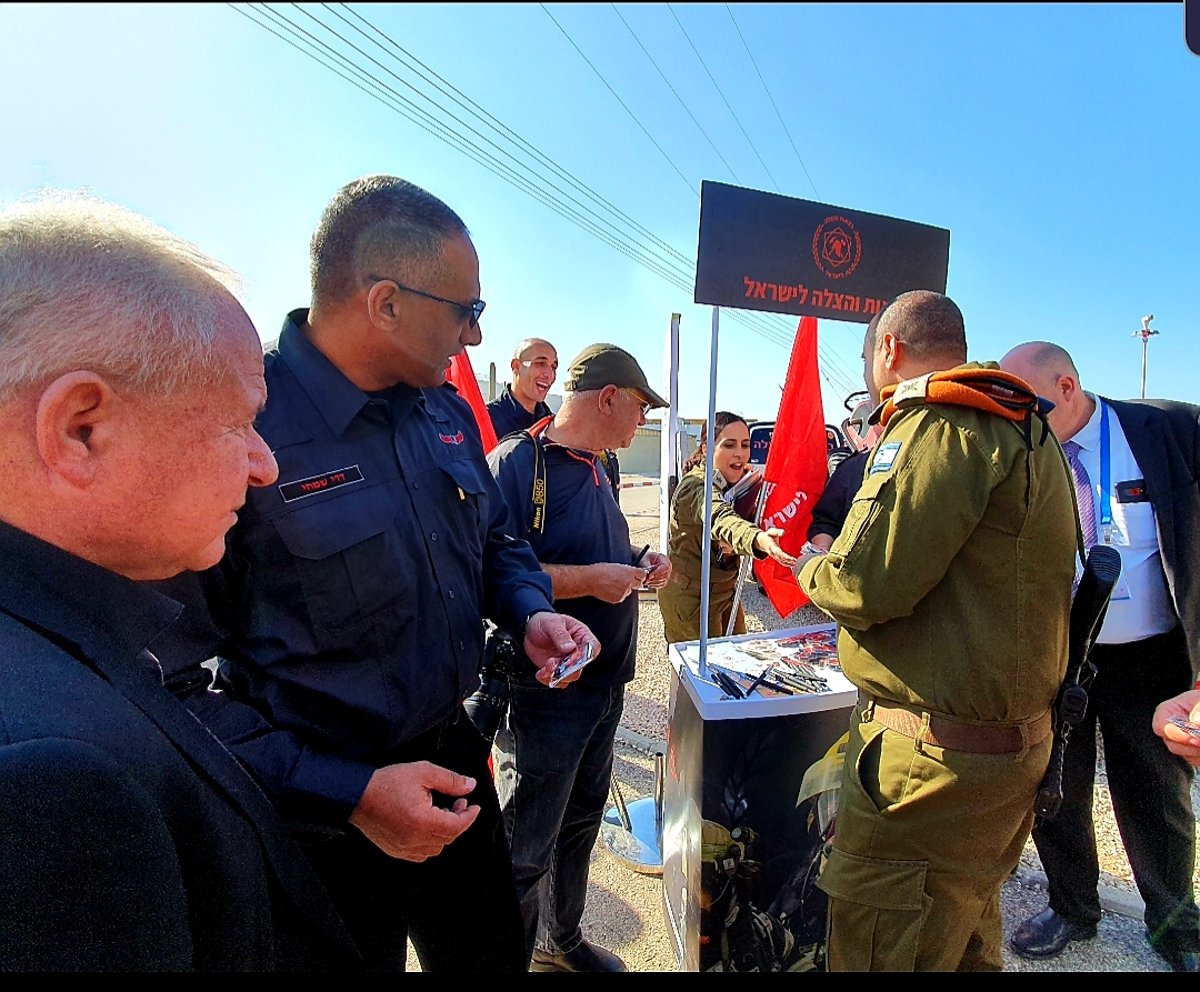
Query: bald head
[(918, 332), (534, 368), (1039, 363), (1051, 372), (930, 325), (530, 344)]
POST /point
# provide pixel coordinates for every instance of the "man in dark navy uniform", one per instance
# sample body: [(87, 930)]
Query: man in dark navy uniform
[(356, 589), (523, 403)]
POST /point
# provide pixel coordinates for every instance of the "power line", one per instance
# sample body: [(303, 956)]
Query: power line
[(699, 126), (677, 277), (722, 95), (620, 101), (501, 128), (363, 80), (440, 130), (772, 99)]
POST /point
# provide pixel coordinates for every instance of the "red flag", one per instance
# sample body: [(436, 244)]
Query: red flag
[(463, 376), (796, 467)]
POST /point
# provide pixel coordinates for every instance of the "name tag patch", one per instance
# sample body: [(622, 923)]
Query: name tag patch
[(292, 491), (885, 454)]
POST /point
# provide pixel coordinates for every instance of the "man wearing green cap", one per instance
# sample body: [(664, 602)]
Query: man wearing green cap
[(554, 755)]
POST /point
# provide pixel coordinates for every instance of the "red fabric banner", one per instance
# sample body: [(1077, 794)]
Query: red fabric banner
[(795, 471), (463, 376)]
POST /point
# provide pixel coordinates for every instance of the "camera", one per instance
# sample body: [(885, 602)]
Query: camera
[(487, 705)]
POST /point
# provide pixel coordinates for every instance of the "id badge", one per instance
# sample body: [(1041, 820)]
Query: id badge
[(1112, 535)]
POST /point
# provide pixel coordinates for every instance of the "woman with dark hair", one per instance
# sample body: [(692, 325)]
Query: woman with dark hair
[(726, 537)]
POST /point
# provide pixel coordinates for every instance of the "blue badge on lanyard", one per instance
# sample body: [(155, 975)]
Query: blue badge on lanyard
[(1106, 525)]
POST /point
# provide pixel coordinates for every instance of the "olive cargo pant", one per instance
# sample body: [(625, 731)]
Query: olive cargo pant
[(925, 838)]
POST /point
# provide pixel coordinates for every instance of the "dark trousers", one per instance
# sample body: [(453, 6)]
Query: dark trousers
[(553, 770), (1150, 789), (459, 908)]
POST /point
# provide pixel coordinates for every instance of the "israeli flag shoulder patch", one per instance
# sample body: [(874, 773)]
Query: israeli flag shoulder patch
[(885, 454)]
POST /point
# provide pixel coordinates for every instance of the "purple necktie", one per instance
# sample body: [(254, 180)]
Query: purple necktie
[(1083, 493)]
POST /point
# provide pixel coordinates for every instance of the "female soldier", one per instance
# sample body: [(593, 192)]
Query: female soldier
[(726, 538)]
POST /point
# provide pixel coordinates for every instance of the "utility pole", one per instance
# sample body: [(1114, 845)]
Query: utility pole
[(1144, 334)]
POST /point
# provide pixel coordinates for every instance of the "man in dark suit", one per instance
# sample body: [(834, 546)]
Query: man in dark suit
[(130, 840), (1136, 466)]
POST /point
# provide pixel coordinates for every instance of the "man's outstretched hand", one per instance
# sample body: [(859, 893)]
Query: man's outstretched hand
[(550, 637)]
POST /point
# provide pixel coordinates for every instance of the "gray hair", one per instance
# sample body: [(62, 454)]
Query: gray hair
[(378, 225), (88, 285)]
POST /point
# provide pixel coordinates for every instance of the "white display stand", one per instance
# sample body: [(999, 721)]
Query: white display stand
[(710, 700), (740, 838)]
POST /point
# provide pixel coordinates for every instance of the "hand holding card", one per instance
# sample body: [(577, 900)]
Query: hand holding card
[(568, 666), (1187, 727)]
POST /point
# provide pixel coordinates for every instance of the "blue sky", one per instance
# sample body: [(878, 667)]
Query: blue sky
[(1058, 144)]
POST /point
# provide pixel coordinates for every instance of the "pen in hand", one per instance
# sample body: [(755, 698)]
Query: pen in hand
[(641, 554)]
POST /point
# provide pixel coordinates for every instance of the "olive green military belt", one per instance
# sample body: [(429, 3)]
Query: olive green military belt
[(955, 735)]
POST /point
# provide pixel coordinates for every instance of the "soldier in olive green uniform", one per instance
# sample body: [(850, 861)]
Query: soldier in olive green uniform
[(688, 539), (951, 580)]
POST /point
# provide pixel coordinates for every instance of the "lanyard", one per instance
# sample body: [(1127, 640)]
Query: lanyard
[(1105, 476)]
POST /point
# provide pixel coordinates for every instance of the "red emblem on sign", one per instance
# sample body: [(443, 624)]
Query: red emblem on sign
[(836, 247), (452, 438)]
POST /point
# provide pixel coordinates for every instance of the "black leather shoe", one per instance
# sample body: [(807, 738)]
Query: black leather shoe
[(1047, 934), (585, 956)]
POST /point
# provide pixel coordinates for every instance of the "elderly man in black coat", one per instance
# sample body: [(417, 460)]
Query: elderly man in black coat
[(130, 839)]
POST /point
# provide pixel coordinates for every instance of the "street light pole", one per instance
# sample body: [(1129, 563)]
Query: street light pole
[(1145, 334)]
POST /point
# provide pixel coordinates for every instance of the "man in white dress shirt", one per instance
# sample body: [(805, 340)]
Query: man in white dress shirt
[(1136, 466)]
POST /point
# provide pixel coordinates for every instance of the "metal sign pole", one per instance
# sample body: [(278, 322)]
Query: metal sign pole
[(668, 464), (1144, 334), (706, 554), (745, 563)]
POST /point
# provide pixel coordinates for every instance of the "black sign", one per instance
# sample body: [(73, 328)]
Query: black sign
[(763, 251)]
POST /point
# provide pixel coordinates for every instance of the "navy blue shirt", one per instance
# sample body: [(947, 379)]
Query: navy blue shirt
[(358, 583), (833, 506), (583, 526), (508, 415)]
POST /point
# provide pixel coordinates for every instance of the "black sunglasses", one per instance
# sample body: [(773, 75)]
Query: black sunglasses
[(470, 312)]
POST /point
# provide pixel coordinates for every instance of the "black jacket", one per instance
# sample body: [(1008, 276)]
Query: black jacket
[(130, 840), (1164, 437)]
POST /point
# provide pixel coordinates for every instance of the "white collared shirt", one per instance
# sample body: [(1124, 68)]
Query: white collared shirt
[(1141, 604)]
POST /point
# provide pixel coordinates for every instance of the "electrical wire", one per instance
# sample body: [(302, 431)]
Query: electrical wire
[(763, 324), (471, 106), (767, 89), (675, 94), (689, 183), (721, 92)]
